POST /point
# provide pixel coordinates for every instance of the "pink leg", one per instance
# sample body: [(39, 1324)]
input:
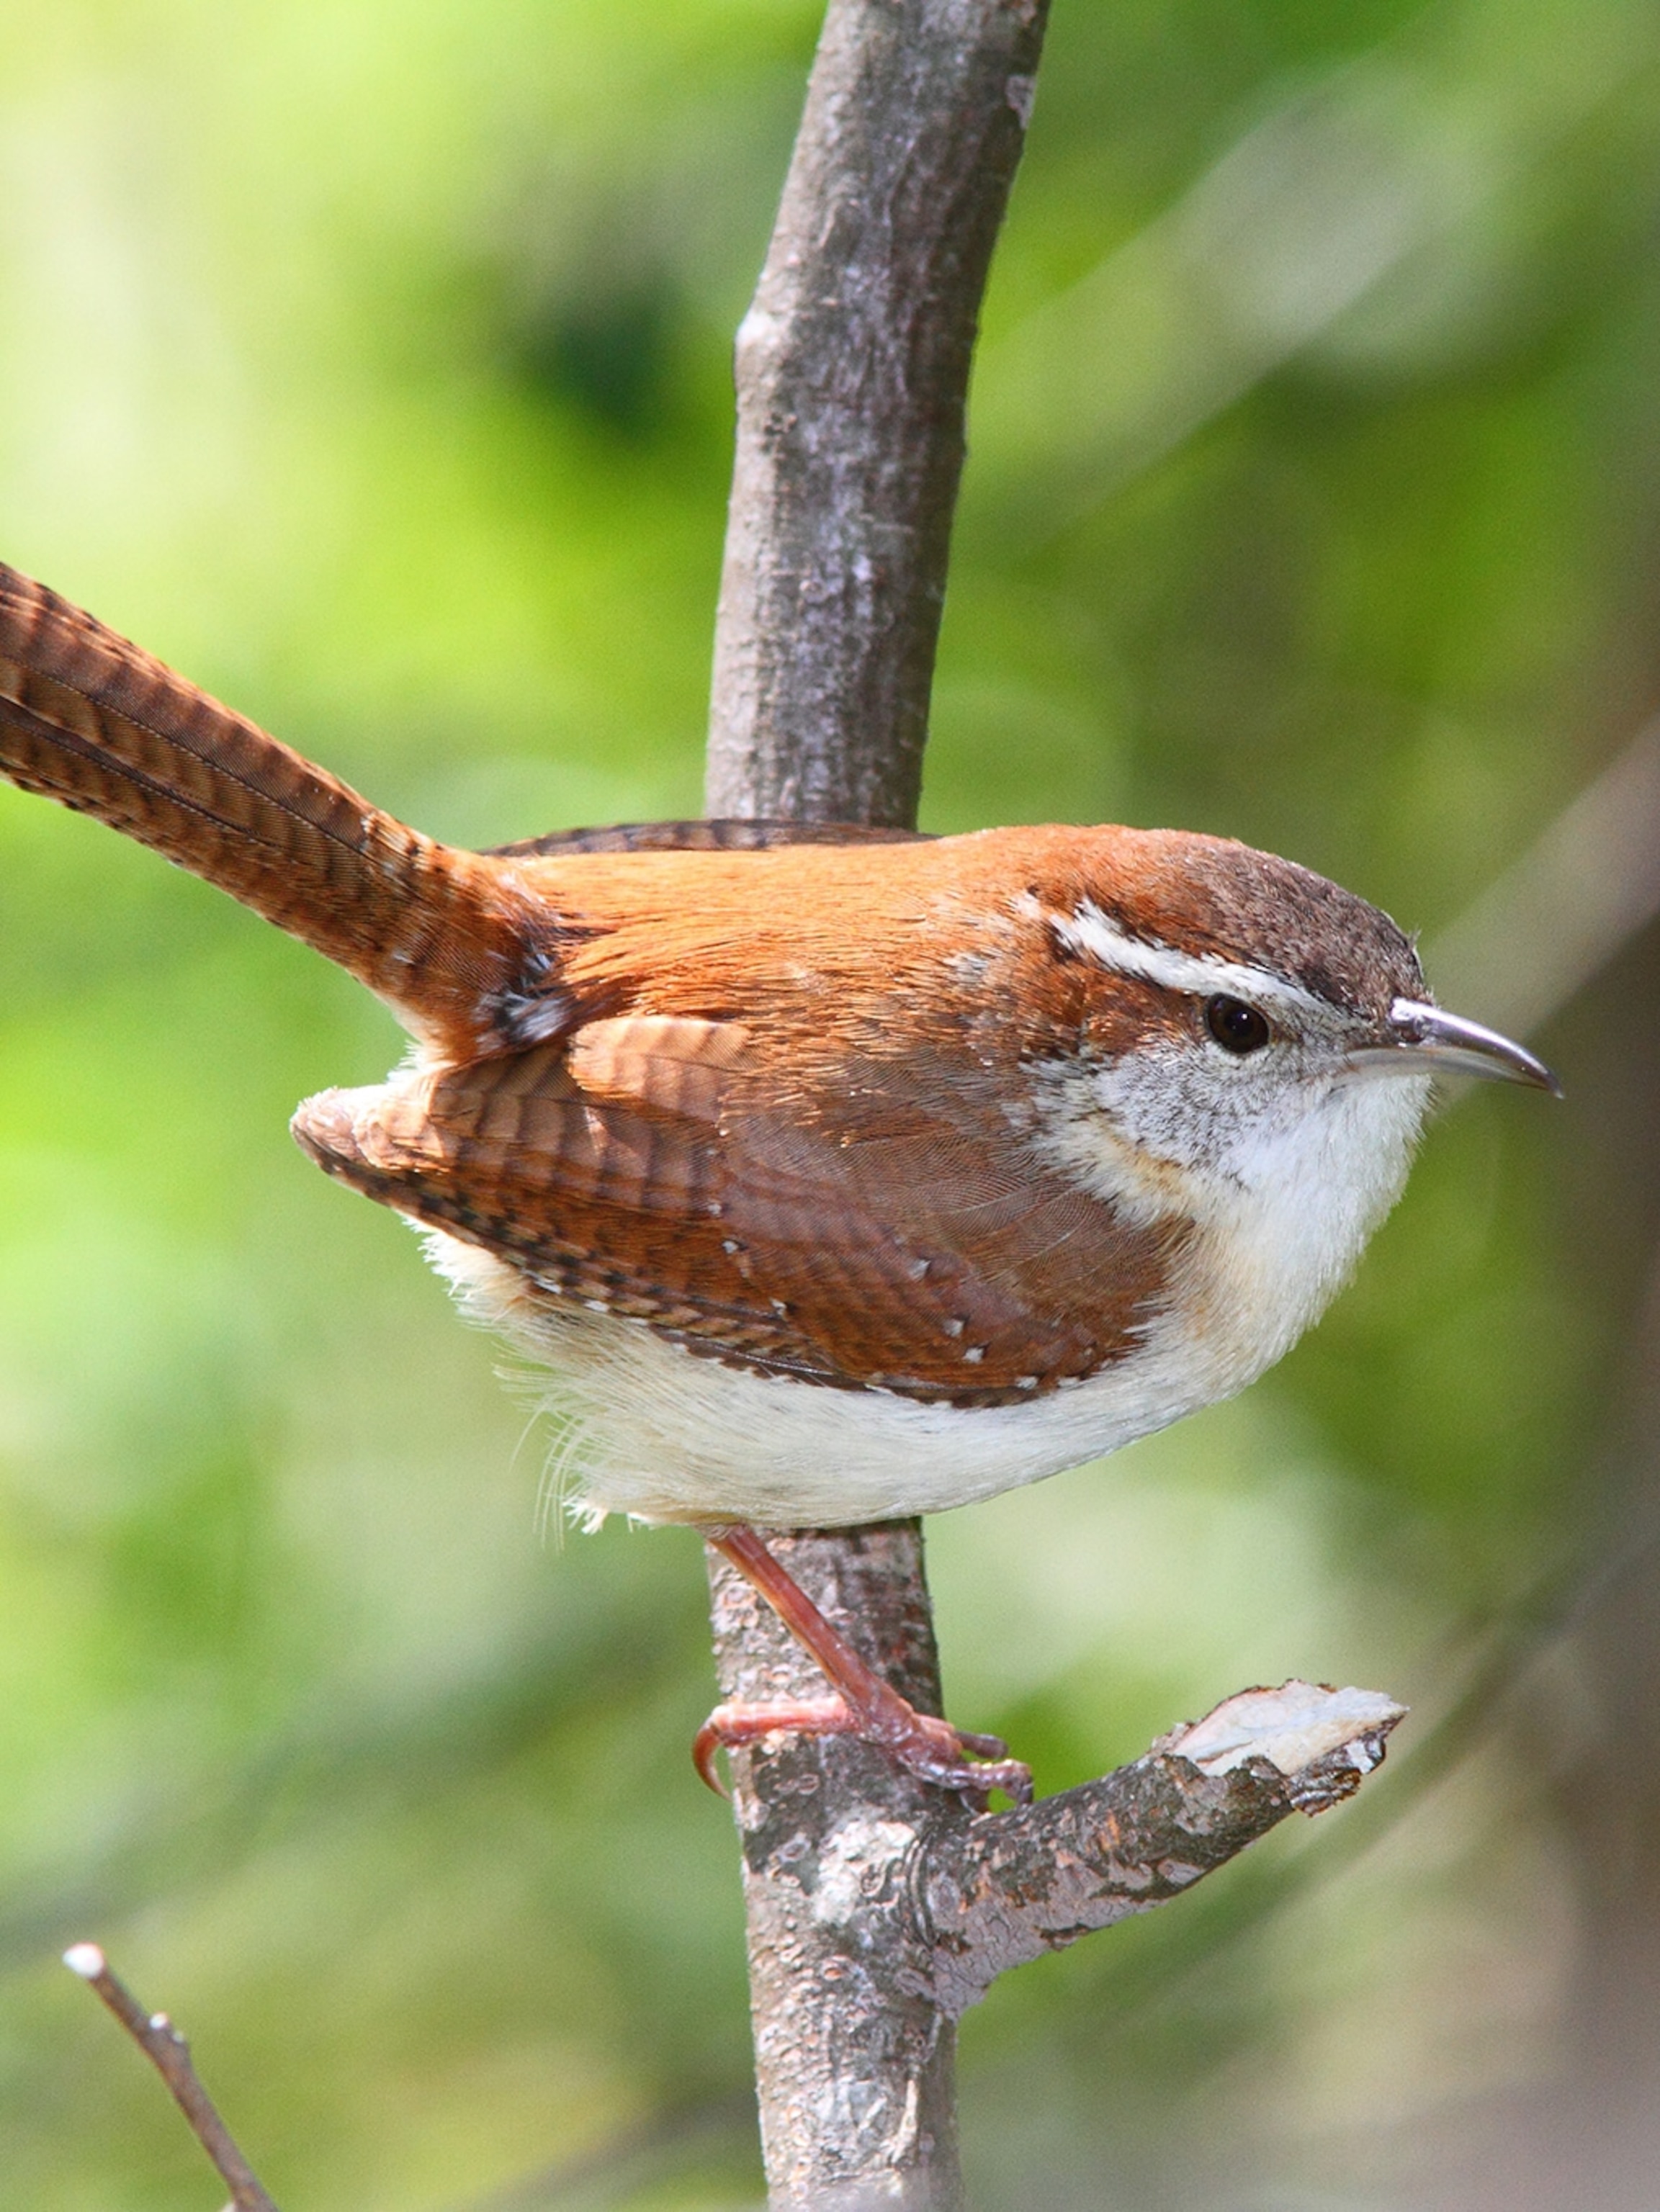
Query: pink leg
[(869, 1707)]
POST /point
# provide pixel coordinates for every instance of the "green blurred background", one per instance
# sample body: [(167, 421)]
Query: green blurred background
[(368, 359)]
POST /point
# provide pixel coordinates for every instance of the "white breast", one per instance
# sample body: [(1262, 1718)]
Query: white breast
[(650, 1429)]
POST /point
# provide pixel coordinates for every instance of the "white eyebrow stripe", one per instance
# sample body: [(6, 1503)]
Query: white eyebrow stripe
[(1094, 935)]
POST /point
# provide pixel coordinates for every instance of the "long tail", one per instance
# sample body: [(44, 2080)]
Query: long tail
[(92, 721)]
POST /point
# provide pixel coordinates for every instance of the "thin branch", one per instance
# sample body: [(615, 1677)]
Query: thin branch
[(1016, 1885), (168, 2051)]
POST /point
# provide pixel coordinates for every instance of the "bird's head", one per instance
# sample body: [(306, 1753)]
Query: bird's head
[(1255, 1055)]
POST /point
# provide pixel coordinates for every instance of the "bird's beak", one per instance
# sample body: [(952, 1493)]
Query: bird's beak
[(1420, 1039)]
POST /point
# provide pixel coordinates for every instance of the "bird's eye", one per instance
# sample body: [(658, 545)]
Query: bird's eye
[(1236, 1026)]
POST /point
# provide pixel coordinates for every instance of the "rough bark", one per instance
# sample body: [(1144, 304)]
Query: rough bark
[(852, 371), (854, 2056)]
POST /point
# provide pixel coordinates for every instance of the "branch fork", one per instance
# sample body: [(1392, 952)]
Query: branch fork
[(951, 1905)]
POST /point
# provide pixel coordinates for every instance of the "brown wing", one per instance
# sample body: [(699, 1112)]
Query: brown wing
[(881, 1244)]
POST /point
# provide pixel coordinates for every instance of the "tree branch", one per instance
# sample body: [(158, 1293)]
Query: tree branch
[(168, 2052), (853, 373), (854, 2058), (1012, 1887), (937, 1907)]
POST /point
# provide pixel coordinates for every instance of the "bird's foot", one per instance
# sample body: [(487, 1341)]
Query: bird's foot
[(869, 1707), (923, 1745)]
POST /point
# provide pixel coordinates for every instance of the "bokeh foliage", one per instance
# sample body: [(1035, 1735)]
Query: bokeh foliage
[(367, 359)]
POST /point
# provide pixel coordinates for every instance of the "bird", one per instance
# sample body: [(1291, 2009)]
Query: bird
[(828, 1173)]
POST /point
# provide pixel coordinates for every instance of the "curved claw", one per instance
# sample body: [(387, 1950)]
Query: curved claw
[(994, 1769), (730, 1725), (704, 1746)]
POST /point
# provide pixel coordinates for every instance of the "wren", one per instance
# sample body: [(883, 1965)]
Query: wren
[(832, 1173)]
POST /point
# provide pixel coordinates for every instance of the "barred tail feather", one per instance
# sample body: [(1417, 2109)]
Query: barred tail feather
[(104, 728)]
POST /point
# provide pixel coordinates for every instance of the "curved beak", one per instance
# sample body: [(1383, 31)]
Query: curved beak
[(1422, 1040)]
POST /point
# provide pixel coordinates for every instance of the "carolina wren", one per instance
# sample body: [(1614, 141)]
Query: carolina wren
[(835, 1174)]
